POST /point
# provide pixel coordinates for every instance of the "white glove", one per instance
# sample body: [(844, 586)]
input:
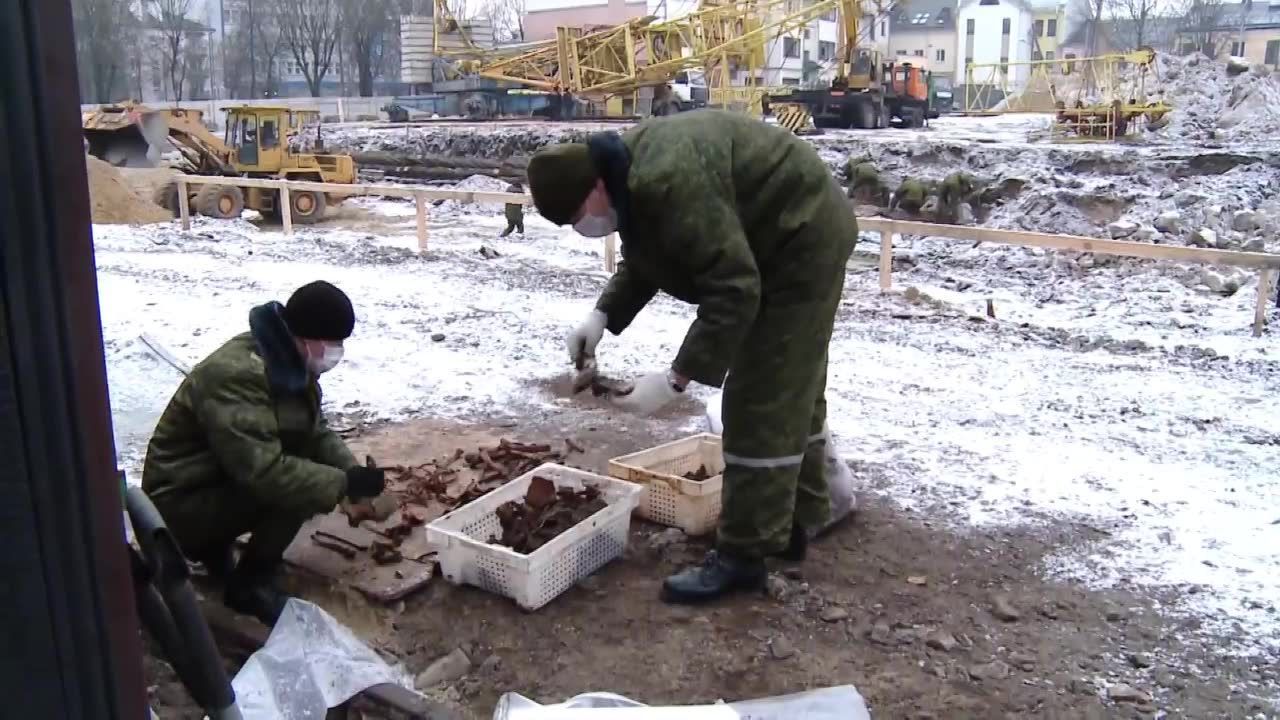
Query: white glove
[(584, 338), (649, 394)]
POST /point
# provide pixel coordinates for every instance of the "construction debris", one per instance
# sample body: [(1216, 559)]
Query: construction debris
[(545, 513), (697, 475)]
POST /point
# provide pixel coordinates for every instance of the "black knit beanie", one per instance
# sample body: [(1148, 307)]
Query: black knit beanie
[(320, 311)]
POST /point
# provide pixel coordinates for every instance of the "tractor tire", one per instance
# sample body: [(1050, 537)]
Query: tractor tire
[(224, 202), (166, 196), (306, 207)]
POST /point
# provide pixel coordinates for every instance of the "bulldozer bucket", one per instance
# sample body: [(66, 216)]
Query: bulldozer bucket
[(126, 138)]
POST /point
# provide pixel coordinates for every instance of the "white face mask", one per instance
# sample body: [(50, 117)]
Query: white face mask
[(596, 226), (327, 361)]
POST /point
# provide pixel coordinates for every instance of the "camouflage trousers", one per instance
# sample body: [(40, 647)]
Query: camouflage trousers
[(774, 408), (209, 520)]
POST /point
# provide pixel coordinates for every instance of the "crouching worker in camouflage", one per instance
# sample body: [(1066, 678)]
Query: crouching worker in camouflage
[(865, 186), (745, 221), (956, 188), (910, 196), (242, 446)]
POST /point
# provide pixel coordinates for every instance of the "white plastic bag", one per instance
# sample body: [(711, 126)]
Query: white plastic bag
[(311, 662), (840, 483), (842, 702)]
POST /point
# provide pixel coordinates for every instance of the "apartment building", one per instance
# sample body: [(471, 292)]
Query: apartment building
[(991, 32), (1248, 30), (924, 34), (1048, 28)]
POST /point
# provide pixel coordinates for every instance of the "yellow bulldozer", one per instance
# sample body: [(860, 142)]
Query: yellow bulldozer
[(255, 144)]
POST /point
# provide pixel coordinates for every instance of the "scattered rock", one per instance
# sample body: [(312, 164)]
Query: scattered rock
[(1237, 66), (880, 634), (1204, 237), (921, 579), (669, 538), (1220, 283), (1168, 680), (1170, 221), (1186, 198), (1114, 614), (488, 253), (1003, 609), (1225, 241), (994, 670), (778, 588), (1025, 663), (491, 665), (437, 337), (1245, 220), (1122, 229), (964, 215), (793, 573), (1146, 233), (833, 613), (1140, 660), (444, 670), (1048, 611), (781, 648), (943, 641), (1127, 693), (1255, 245)]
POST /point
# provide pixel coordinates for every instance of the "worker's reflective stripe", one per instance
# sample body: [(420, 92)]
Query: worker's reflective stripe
[(773, 462)]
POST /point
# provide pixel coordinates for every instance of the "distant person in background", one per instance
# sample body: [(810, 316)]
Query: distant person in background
[(515, 212)]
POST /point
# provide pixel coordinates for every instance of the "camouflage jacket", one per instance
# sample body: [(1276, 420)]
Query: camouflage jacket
[(864, 175), (249, 415), (911, 192), (955, 188), (711, 208)]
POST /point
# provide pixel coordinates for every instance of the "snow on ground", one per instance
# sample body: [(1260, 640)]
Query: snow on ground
[(1123, 397)]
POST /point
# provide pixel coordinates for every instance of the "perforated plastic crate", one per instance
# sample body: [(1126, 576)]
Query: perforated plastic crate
[(672, 499), (466, 558)]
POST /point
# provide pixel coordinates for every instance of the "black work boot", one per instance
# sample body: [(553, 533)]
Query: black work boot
[(797, 547), (255, 593), (719, 574)]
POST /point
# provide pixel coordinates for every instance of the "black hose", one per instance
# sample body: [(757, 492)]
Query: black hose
[(178, 626)]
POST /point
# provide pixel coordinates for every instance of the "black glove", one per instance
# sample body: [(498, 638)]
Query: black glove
[(365, 482)]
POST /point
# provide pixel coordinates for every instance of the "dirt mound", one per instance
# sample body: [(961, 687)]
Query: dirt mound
[(114, 202), (1212, 104)]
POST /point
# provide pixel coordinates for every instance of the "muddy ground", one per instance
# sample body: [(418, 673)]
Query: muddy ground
[(926, 620)]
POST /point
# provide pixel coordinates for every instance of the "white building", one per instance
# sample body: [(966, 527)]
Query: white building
[(994, 31)]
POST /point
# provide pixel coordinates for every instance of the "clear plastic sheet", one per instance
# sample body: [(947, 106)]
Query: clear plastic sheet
[(311, 662), (842, 702)]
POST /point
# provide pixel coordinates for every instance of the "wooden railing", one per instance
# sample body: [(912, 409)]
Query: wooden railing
[(1266, 264)]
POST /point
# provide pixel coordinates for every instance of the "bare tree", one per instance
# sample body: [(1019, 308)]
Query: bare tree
[(169, 17), (1202, 26), (507, 18), (309, 30), (369, 25), (1136, 19), (102, 30)]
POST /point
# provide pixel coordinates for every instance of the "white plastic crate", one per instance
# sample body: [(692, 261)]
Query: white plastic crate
[(672, 499), (466, 558)]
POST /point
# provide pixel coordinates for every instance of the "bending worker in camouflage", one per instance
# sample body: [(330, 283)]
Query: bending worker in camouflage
[(910, 196), (956, 188), (865, 186), (242, 446), (744, 220)]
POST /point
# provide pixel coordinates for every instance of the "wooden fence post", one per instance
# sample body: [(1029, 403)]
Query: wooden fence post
[(1266, 280), (184, 206), (886, 260), (420, 209), (611, 253), (286, 209)]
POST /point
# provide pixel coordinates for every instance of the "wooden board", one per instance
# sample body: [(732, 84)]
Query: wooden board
[(412, 443)]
